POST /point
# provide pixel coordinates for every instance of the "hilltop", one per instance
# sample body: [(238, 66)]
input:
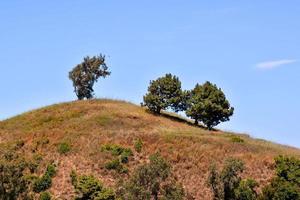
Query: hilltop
[(86, 125)]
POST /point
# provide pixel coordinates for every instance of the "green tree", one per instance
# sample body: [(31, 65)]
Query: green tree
[(208, 104), (85, 74), (164, 93), (150, 181)]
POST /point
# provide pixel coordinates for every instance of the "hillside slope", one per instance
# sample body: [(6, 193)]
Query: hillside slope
[(87, 125)]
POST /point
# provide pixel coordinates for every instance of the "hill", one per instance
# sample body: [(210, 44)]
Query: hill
[(87, 125)]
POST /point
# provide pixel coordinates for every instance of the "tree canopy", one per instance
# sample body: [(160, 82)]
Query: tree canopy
[(85, 74)]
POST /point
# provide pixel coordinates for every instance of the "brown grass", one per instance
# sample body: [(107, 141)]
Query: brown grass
[(86, 125)]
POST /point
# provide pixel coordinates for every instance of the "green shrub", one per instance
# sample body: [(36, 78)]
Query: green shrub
[(115, 149), (88, 187), (51, 170), (64, 148), (41, 184), (125, 155), (246, 190), (150, 180), (45, 196), (223, 184), (237, 139), (286, 184), (116, 165), (138, 144)]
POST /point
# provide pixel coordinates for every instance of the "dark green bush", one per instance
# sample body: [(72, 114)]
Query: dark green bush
[(64, 148), (41, 184), (45, 196)]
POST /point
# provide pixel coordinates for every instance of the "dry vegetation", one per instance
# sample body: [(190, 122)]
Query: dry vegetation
[(86, 125)]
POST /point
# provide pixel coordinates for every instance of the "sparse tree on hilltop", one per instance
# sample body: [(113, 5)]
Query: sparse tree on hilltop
[(85, 74), (208, 104), (164, 93)]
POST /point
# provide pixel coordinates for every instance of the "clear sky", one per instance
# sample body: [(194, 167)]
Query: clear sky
[(248, 48)]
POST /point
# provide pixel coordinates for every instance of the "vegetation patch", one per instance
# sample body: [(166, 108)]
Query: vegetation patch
[(88, 187), (45, 196), (138, 145), (63, 148), (237, 139), (45, 181)]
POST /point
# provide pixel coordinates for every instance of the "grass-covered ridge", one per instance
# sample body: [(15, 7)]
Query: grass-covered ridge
[(88, 125)]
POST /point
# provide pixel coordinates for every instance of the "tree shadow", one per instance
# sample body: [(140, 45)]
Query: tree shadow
[(178, 118)]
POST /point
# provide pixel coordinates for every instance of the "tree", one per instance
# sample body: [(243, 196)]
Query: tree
[(151, 181), (164, 93), (85, 74), (208, 104)]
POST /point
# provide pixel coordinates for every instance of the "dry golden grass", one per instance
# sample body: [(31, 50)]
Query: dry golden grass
[(86, 125)]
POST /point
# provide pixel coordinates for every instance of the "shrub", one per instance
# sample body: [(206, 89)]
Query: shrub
[(41, 184), (116, 150), (164, 93), (208, 104), (138, 144), (224, 184), (237, 139), (286, 184), (64, 148), (246, 190), (85, 74), (51, 170), (150, 181), (88, 187), (45, 196), (116, 165), (13, 180), (125, 155)]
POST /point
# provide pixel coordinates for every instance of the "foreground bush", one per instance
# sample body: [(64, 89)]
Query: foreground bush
[(286, 184), (88, 187), (151, 181), (228, 185), (13, 184)]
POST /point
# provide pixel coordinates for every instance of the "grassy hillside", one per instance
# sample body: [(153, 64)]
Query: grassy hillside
[(86, 125)]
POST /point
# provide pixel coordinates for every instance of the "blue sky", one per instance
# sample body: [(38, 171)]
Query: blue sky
[(248, 48)]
